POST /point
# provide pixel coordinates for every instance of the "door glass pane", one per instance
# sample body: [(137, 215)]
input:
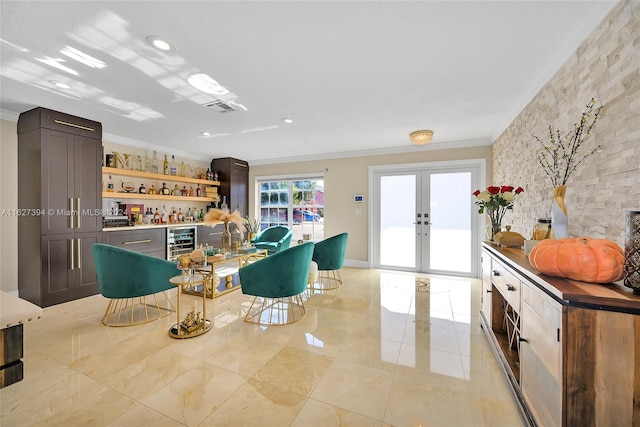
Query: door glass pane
[(450, 242), (397, 215)]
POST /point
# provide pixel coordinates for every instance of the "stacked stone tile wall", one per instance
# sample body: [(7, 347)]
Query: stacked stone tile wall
[(607, 184)]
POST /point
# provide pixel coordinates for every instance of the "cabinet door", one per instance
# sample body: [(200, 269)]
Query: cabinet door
[(541, 356), (68, 270), (85, 278), (87, 184), (239, 189), (211, 236), (57, 182), (485, 308)]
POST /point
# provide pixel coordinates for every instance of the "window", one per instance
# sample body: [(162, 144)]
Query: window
[(296, 203)]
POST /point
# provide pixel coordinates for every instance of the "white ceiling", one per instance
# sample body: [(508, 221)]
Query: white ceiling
[(355, 76)]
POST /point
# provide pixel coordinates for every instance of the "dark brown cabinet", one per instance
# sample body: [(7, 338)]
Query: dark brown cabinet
[(151, 242), (234, 182), (60, 201)]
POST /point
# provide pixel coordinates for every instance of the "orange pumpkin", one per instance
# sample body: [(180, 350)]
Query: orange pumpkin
[(581, 258)]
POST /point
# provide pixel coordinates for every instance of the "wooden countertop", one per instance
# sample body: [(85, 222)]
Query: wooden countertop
[(611, 297)]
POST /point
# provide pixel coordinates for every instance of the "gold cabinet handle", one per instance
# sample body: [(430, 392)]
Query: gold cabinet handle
[(71, 212), (78, 211), (133, 242), (73, 258), (79, 254)]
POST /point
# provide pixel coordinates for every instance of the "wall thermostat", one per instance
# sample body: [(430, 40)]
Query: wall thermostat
[(358, 198)]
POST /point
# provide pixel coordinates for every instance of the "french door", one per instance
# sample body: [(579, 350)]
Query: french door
[(424, 218)]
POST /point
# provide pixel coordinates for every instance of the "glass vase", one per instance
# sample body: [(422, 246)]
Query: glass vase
[(226, 238), (559, 220), (492, 229)]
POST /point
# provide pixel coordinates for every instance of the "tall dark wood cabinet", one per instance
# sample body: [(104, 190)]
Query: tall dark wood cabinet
[(234, 182), (60, 201)]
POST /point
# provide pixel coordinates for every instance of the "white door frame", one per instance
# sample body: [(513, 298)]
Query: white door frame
[(477, 225)]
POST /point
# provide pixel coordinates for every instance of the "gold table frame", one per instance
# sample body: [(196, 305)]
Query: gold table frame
[(181, 282), (243, 259)]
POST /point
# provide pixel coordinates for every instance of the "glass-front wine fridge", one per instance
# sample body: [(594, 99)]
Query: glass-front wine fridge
[(180, 240)]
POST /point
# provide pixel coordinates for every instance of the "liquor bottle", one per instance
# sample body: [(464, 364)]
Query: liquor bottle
[(110, 188), (142, 189), (156, 217), (154, 163), (166, 165), (182, 169), (184, 191), (176, 191), (191, 193), (224, 207), (164, 190), (187, 216), (201, 214), (148, 216), (139, 164), (147, 162), (180, 215), (165, 216), (194, 214), (153, 190), (198, 191), (173, 165), (208, 175)]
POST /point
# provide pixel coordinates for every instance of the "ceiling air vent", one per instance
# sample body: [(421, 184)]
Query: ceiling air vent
[(220, 106)]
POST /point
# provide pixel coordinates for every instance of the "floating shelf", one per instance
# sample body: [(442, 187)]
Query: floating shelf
[(157, 176), (111, 195)]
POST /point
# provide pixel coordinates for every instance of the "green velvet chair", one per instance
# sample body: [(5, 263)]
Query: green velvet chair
[(329, 255), (127, 278), (277, 282), (273, 239)]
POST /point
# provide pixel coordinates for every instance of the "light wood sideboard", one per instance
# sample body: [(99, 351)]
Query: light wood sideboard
[(570, 350)]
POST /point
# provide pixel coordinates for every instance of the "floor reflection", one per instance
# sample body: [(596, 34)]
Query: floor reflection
[(385, 349)]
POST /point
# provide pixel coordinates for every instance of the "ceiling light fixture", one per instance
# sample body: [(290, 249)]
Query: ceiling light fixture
[(206, 84), (421, 137), (287, 120), (205, 133), (59, 84), (159, 43)]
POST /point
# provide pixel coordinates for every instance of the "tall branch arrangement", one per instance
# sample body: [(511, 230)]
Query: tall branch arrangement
[(560, 155)]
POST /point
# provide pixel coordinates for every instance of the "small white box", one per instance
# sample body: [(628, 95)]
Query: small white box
[(529, 244)]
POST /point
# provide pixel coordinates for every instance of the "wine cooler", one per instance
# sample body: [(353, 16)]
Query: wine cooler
[(180, 240)]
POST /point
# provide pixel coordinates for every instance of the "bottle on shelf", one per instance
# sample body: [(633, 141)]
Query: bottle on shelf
[(223, 206), (194, 214), (187, 216), (180, 215), (147, 161), (198, 191), (164, 190), (156, 217), (165, 165), (191, 193), (139, 164), (184, 191), (142, 189), (215, 175), (201, 217), (110, 187), (165, 215), (176, 191), (148, 216), (182, 169), (154, 163), (153, 190), (208, 175), (174, 215), (173, 165)]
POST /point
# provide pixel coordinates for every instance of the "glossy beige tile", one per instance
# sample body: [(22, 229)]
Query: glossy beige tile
[(378, 351)]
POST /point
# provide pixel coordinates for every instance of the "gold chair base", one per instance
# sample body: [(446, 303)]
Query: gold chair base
[(135, 311), (276, 311), (327, 280)]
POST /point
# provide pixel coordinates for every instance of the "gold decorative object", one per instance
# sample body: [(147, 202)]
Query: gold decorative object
[(509, 239), (192, 321), (421, 137)]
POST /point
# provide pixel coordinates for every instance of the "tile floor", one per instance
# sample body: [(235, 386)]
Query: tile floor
[(380, 351)]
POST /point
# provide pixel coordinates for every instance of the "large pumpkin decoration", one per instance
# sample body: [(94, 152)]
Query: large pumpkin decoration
[(581, 258)]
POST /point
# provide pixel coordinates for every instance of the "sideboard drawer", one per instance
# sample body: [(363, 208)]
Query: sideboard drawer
[(508, 284), (143, 241)]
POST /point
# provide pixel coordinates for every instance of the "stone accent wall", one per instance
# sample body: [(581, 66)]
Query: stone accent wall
[(607, 185)]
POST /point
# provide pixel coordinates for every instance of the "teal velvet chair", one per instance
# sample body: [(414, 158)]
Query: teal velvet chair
[(273, 239), (127, 278), (277, 282), (329, 255)]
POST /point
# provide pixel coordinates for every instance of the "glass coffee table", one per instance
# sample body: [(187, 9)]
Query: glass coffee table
[(224, 273)]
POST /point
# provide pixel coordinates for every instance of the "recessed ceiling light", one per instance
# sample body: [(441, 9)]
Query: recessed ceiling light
[(159, 43), (287, 120), (205, 133), (59, 84)]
